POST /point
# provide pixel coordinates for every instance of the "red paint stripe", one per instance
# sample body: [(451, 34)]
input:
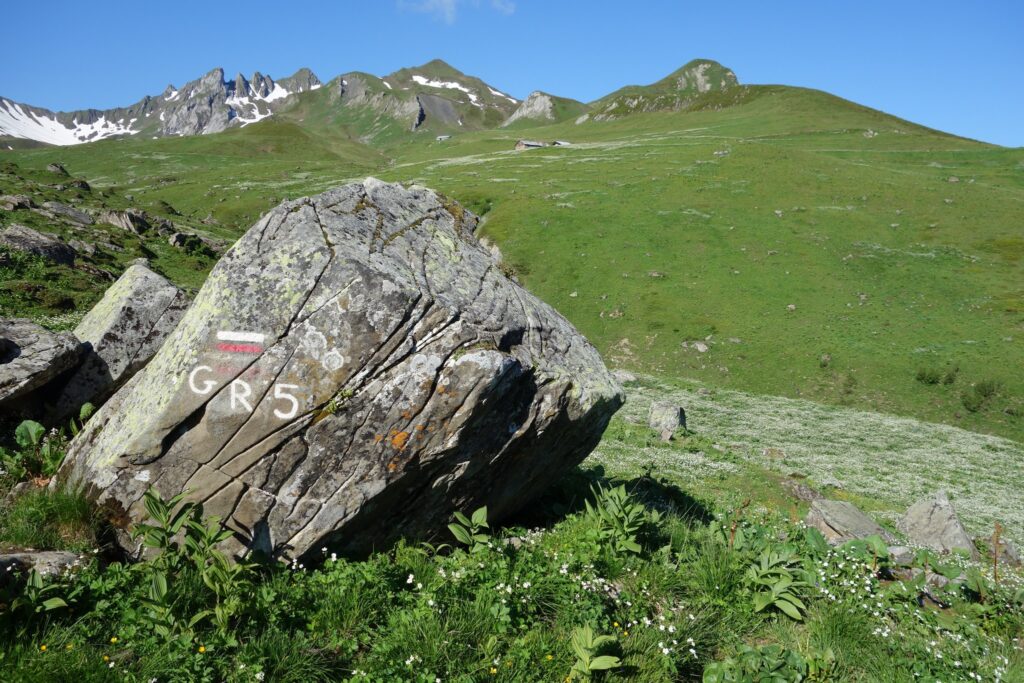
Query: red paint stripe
[(240, 348)]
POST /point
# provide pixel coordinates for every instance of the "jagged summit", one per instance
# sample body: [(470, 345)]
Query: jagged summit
[(207, 104)]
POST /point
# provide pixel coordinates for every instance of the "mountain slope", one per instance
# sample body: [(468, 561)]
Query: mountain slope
[(206, 105), (899, 247), (671, 93), (543, 108)]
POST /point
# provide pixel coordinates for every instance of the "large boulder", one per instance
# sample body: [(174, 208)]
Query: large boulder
[(21, 238), (665, 418), (58, 209), (355, 368), (840, 521), (933, 523), (30, 357), (124, 330)]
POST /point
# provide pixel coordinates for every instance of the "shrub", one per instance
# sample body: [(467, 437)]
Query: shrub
[(929, 375)]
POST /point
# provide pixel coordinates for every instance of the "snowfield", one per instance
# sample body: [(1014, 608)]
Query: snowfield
[(22, 123)]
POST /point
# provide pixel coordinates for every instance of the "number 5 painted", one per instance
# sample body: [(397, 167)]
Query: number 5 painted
[(280, 393)]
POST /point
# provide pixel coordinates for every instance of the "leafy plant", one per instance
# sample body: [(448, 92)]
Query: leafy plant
[(617, 518), (469, 531), (585, 646), (774, 580), (168, 516), (772, 664)]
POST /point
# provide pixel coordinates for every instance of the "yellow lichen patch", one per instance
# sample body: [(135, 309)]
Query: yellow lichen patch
[(399, 440), (377, 438)]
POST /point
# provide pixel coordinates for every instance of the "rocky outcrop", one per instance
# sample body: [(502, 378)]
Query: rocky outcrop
[(21, 238), (46, 562), (13, 202), (933, 523), (61, 210), (537, 106), (123, 332), (840, 521), (132, 220), (355, 368), (30, 357)]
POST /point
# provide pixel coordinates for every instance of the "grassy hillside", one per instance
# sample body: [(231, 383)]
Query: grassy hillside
[(816, 248)]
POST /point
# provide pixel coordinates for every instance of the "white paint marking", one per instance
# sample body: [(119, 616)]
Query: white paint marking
[(208, 385), (240, 397), (250, 337)]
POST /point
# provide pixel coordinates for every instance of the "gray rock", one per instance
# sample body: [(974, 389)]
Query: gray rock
[(901, 555), (666, 417), (46, 562), (840, 521), (132, 220), (57, 168), (623, 376), (13, 202), (933, 523), (353, 370), (31, 241), (123, 330), (69, 212), (800, 490), (83, 247), (31, 356)]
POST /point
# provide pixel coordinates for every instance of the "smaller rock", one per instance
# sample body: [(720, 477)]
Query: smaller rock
[(840, 521), (31, 356), (700, 346), (46, 562), (82, 247), (124, 329), (800, 490), (69, 212), (666, 418), (31, 241), (13, 202), (623, 376), (901, 555), (954, 179), (57, 168), (791, 307), (933, 523), (80, 184), (132, 220)]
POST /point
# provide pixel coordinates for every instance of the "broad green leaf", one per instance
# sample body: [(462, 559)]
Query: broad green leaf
[(789, 609), (54, 603), (604, 662), (29, 434), (480, 516), (461, 534)]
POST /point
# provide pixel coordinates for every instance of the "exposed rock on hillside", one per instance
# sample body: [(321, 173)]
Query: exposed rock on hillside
[(25, 239), (840, 521), (124, 330), (675, 91), (355, 368), (541, 107)]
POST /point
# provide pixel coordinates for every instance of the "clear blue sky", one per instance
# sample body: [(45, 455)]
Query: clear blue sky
[(956, 66)]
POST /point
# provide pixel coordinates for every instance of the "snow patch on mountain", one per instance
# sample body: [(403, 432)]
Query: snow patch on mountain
[(498, 93), (19, 122)]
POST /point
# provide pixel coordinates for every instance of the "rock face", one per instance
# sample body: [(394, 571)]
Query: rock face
[(58, 209), (124, 330), (355, 368), (933, 523), (840, 522), (46, 562), (537, 106), (31, 356), (25, 239), (132, 220)]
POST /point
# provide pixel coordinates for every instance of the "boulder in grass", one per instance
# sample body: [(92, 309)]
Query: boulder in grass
[(355, 368), (123, 331), (30, 357), (24, 239), (933, 523), (840, 521), (666, 418)]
